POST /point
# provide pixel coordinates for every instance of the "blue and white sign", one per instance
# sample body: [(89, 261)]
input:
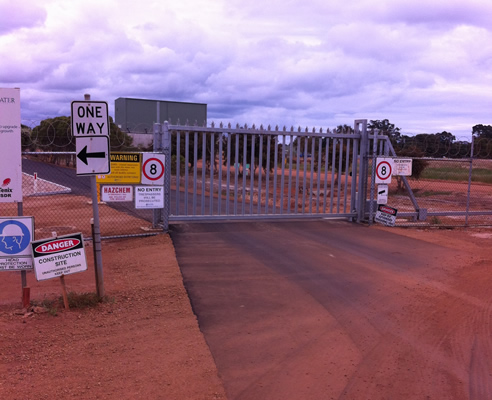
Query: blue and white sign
[(16, 235)]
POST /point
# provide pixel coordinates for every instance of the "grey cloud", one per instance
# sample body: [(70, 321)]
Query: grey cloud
[(16, 15)]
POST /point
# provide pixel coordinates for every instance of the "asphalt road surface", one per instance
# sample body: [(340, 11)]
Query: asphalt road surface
[(333, 310)]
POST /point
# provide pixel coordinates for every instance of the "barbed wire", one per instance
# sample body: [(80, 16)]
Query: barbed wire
[(57, 135)]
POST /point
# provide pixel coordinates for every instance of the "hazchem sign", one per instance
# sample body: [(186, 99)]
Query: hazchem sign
[(10, 148), (16, 235), (54, 257), (117, 193)]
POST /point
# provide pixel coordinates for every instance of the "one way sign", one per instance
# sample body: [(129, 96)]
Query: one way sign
[(93, 155)]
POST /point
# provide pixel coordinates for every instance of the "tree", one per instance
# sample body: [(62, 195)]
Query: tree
[(386, 128), (54, 134), (482, 131)]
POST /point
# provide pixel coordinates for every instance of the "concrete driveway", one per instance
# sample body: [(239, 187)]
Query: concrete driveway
[(329, 309)]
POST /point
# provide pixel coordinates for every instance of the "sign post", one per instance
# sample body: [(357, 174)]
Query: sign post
[(90, 119)]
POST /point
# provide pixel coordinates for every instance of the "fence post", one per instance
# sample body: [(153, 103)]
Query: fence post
[(363, 167), (469, 183), (166, 149)]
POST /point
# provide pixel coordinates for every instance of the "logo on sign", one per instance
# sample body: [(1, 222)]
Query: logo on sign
[(6, 182), (387, 210), (14, 237), (57, 245)]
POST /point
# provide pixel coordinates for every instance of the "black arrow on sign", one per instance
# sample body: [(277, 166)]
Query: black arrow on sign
[(83, 155)]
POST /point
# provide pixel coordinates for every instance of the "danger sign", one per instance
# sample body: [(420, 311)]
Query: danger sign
[(58, 256), (386, 215)]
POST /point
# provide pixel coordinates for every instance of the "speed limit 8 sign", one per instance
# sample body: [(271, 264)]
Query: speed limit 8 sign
[(384, 170), (153, 169)]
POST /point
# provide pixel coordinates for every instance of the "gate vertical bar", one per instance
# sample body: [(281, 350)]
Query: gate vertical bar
[(361, 128), (469, 183), (373, 176)]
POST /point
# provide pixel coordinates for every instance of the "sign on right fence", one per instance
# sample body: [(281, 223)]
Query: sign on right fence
[(402, 166), (386, 215)]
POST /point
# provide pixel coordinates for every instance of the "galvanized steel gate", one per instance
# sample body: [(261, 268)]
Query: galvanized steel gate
[(224, 173)]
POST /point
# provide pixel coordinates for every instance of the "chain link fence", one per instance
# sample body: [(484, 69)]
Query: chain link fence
[(451, 183), (58, 199)]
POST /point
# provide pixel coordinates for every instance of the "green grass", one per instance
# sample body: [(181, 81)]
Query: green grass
[(430, 193), (458, 174), (75, 301)]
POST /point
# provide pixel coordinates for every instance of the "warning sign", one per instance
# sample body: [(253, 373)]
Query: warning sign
[(125, 168), (54, 257), (386, 215)]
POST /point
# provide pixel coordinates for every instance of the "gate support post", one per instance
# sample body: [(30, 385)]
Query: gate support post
[(166, 149), (361, 128), (157, 147)]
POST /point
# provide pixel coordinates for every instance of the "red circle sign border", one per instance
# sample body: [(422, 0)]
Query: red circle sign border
[(390, 170), (160, 175)]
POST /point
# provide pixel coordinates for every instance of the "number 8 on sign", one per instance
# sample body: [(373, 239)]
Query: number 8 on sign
[(384, 170), (153, 169)]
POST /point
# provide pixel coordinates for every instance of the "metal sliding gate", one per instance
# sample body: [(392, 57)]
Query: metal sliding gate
[(244, 173)]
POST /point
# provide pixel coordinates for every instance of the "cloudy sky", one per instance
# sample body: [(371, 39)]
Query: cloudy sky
[(426, 65)]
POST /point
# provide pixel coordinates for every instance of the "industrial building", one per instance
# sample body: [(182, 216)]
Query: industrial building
[(139, 115)]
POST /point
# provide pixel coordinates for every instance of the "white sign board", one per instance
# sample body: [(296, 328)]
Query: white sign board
[(92, 155), (54, 257), (10, 146), (402, 166), (153, 169), (386, 215), (149, 197), (382, 194), (16, 235), (90, 118), (384, 169), (116, 193)]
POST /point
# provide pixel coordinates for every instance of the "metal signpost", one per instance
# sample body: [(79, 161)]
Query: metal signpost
[(90, 126)]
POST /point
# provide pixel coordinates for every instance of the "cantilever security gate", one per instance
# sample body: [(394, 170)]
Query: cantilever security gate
[(225, 173)]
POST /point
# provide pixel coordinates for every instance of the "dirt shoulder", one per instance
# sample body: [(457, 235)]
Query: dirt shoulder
[(142, 342)]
